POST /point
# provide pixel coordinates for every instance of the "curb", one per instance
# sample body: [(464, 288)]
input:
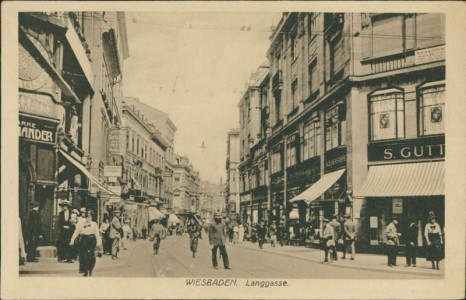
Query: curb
[(317, 261)]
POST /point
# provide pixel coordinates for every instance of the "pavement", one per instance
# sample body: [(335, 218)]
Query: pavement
[(48, 265), (362, 261), (247, 259)]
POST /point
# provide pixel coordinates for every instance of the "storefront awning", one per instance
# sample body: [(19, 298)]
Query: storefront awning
[(404, 180), (320, 187), (155, 214), (174, 219), (86, 172)]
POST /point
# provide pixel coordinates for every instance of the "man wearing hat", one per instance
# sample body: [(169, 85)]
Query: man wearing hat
[(392, 241), (328, 238), (115, 233), (411, 242), (217, 240), (66, 229), (337, 232), (33, 233), (349, 235)]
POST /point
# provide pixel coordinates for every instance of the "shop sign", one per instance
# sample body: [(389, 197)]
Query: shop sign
[(112, 171), (397, 206), (37, 129), (374, 223), (114, 200), (307, 171), (335, 159), (37, 105), (429, 55), (421, 148), (117, 142)]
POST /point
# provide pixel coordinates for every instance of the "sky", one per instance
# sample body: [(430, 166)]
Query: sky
[(194, 66)]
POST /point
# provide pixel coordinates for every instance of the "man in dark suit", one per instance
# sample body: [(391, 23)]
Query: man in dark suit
[(217, 240), (411, 242), (34, 233), (337, 233), (66, 229)]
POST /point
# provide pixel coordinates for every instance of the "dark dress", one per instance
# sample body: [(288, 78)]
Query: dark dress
[(434, 250)]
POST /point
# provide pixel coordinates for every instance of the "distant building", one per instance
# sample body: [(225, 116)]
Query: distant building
[(232, 164), (185, 186)]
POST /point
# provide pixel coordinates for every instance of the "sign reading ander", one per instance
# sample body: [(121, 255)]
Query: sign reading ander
[(36, 129)]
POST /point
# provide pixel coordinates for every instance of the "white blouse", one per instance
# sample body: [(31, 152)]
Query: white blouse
[(87, 228)]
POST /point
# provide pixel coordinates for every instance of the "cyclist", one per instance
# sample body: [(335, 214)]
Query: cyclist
[(157, 234), (194, 231)]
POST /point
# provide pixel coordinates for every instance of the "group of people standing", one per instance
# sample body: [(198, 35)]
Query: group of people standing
[(276, 234), (341, 234), (433, 237), (235, 233)]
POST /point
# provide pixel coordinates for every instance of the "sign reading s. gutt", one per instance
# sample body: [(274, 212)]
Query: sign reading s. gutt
[(422, 148), (37, 129)]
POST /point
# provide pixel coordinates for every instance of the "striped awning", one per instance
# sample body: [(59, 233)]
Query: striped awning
[(404, 180), (86, 172), (320, 187)]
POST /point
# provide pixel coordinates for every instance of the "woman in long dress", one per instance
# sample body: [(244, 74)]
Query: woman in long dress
[(89, 239), (240, 233), (434, 239)]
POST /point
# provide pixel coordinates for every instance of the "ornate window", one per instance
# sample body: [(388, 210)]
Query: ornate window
[(386, 115), (432, 108)]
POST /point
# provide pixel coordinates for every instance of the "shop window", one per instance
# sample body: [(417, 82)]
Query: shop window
[(432, 108), (292, 153), (312, 139), (386, 115), (45, 165), (335, 127)]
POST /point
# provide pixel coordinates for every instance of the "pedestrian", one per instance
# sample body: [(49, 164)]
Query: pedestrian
[(240, 233), (328, 239), (261, 233), (82, 214), (126, 235), (66, 229), (34, 233), (144, 232), (434, 239), (273, 234), (135, 233), (157, 234), (22, 250), (235, 234), (297, 230), (217, 240), (115, 233), (281, 232), (411, 242), (254, 233), (105, 234), (230, 231), (337, 233), (393, 241), (194, 231), (349, 236), (89, 239)]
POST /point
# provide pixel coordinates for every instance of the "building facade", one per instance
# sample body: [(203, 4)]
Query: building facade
[(60, 72), (254, 163), (232, 164), (354, 115), (185, 186), (166, 129)]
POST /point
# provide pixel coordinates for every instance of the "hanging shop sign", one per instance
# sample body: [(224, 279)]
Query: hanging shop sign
[(112, 171), (117, 142), (420, 148), (37, 129)]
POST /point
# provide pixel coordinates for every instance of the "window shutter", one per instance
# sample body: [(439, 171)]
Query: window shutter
[(430, 30), (387, 36)]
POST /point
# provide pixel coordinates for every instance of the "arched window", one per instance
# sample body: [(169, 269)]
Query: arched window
[(386, 114)]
